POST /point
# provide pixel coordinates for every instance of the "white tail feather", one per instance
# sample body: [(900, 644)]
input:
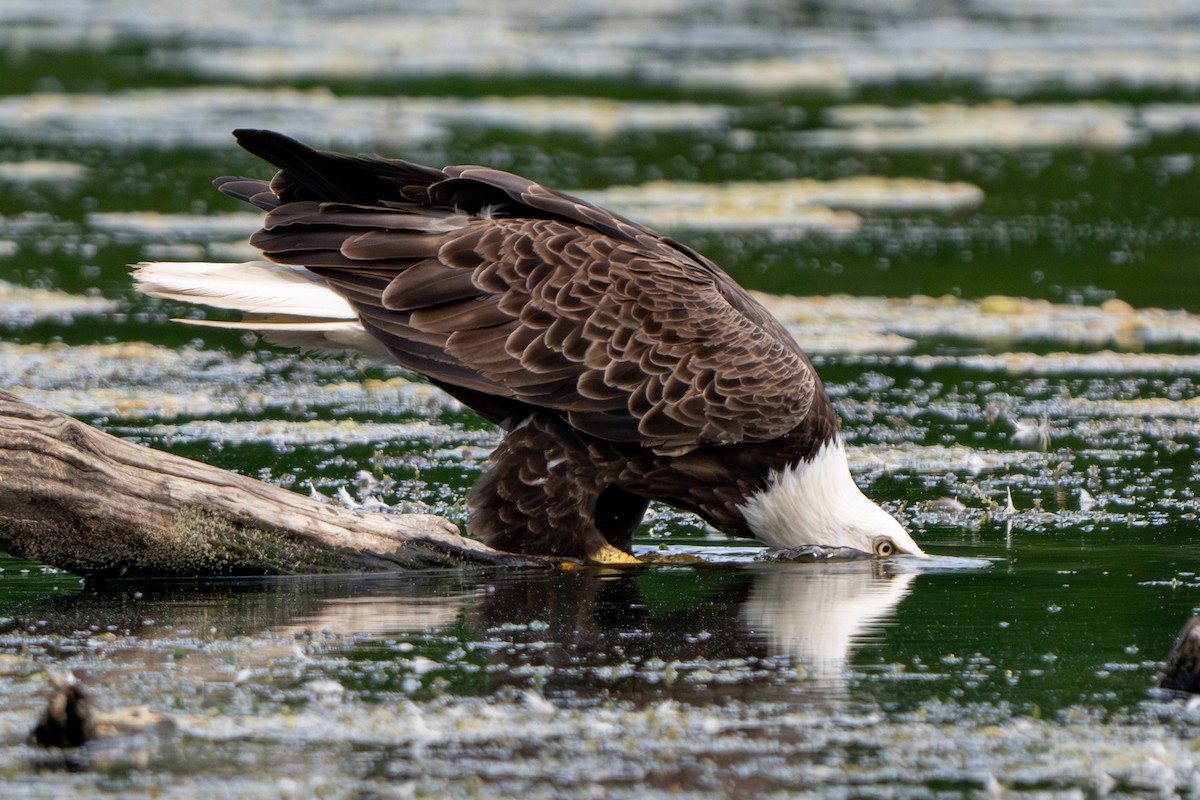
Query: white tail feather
[(289, 306), (252, 286)]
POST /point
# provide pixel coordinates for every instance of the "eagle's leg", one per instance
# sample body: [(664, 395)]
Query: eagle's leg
[(617, 514), (541, 493)]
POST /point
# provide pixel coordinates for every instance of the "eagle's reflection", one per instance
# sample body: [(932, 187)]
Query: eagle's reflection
[(818, 617), (741, 629), (704, 633)]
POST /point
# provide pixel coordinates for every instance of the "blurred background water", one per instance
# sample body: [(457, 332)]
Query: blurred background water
[(980, 220)]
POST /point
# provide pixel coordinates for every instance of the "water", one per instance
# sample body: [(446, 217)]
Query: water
[(729, 678), (902, 177)]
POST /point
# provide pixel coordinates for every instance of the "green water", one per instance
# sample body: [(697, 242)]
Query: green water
[(1029, 669)]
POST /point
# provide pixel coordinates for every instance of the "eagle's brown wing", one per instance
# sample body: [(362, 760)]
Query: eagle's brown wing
[(513, 296)]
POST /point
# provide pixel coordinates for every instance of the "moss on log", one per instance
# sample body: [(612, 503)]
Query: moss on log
[(82, 500)]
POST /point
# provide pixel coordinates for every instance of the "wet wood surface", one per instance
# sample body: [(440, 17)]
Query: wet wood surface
[(77, 498)]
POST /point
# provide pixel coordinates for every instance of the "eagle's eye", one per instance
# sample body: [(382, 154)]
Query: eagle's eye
[(884, 546)]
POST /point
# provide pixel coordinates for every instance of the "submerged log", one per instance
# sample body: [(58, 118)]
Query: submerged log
[(88, 502)]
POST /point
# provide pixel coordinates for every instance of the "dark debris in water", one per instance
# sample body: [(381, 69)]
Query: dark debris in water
[(1183, 663), (68, 720)]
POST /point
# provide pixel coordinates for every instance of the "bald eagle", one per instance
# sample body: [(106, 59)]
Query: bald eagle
[(622, 366)]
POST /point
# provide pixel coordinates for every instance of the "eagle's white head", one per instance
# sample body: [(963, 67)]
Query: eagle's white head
[(817, 502)]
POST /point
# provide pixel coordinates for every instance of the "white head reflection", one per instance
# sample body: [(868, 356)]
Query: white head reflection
[(817, 615)]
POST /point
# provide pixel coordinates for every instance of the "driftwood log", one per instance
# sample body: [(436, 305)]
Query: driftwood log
[(85, 501)]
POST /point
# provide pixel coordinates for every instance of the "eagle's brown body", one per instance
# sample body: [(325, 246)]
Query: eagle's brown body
[(623, 366)]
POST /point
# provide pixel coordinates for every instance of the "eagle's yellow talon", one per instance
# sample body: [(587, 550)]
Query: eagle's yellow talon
[(611, 555)]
